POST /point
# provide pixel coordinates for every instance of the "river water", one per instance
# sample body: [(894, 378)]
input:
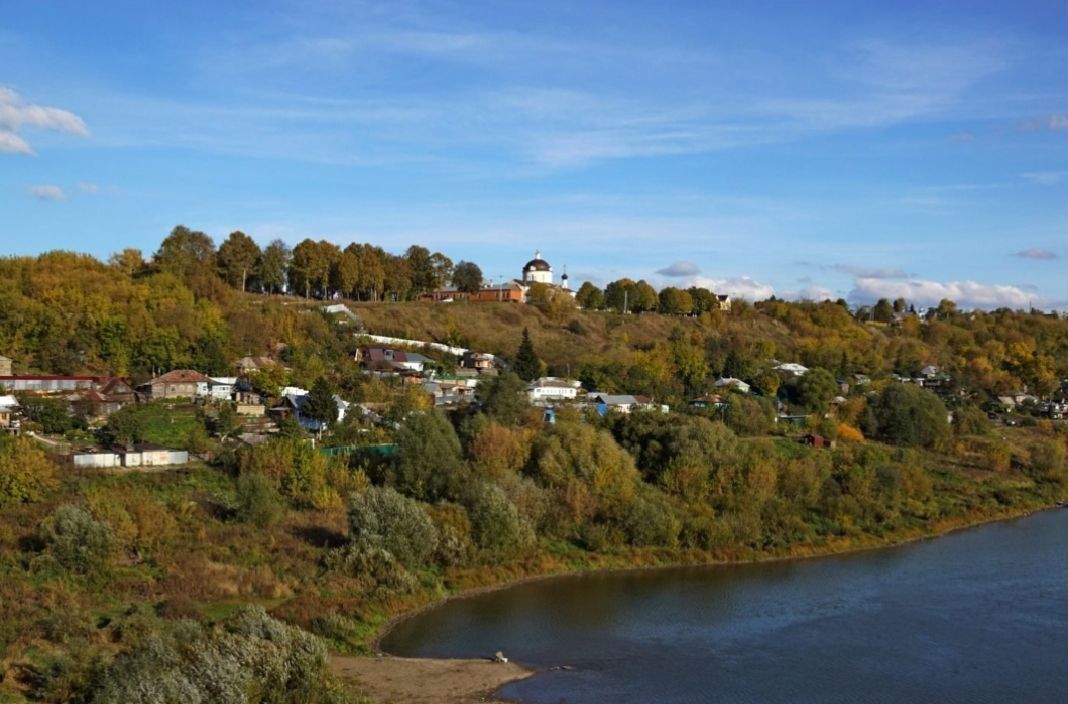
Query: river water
[(976, 616)]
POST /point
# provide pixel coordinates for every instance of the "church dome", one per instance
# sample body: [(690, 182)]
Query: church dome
[(537, 264)]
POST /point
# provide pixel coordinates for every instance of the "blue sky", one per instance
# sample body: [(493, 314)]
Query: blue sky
[(822, 148)]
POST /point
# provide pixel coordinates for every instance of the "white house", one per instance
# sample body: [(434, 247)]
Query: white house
[(732, 383), (294, 398), (622, 403), (791, 368), (551, 388), (222, 387)]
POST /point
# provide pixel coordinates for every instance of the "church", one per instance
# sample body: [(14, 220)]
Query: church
[(536, 271)]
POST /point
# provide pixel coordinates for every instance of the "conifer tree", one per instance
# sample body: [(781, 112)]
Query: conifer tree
[(527, 365)]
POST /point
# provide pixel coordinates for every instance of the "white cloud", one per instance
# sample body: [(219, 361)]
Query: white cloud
[(48, 192), (16, 114), (871, 273), (1036, 253), (737, 286), (1046, 178), (88, 187), (966, 294), (680, 268), (1058, 122)]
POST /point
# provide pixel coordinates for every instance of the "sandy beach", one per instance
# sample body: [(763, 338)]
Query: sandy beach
[(427, 681)]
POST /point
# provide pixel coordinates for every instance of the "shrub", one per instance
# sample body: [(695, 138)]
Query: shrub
[(970, 420), (26, 473), (385, 529), (1047, 459), (76, 542), (250, 659), (498, 529), (258, 502)]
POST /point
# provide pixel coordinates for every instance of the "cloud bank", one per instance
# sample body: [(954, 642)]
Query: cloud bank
[(48, 192), (966, 294), (16, 114), (680, 269), (737, 286), (1036, 253)]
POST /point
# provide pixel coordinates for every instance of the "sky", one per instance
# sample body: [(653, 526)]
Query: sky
[(816, 149)]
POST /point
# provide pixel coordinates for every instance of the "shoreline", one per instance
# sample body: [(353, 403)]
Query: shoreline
[(483, 678)]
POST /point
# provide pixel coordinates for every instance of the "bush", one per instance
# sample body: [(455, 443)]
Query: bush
[(496, 525), (26, 473), (970, 420), (250, 659), (76, 542), (388, 529), (1047, 459), (258, 502)]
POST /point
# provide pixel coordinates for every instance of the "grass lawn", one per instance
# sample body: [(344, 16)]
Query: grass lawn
[(167, 424)]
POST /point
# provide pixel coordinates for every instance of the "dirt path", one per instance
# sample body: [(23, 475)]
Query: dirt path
[(426, 681)]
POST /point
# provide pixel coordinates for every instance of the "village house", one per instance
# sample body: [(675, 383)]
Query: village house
[(248, 365), (479, 361), (791, 368), (551, 388), (180, 383), (138, 455), (387, 359), (109, 395), (723, 302), (622, 403), (293, 399), (9, 408), (732, 384), (35, 384)]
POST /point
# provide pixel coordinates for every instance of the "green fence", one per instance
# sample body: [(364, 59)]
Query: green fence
[(381, 451)]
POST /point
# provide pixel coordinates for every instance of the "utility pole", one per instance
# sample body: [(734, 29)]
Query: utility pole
[(625, 292)]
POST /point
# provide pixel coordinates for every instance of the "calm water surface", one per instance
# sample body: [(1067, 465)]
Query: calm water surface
[(978, 616)]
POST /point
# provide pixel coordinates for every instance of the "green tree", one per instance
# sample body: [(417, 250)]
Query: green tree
[(321, 406), (620, 295), (428, 462), (883, 312), (237, 258), (816, 389), (646, 298), (527, 366), (467, 277), (703, 299), (186, 254), (502, 397), (906, 414), (589, 296), (272, 267), (124, 427), (675, 301)]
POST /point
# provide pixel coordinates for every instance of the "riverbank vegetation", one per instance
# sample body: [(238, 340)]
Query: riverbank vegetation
[(265, 556)]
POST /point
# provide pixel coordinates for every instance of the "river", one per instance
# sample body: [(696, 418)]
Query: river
[(976, 616)]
